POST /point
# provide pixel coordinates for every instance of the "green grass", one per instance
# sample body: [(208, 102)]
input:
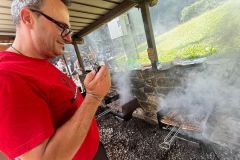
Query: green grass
[(215, 31)]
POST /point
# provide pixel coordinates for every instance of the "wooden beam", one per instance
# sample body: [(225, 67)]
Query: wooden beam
[(81, 20), (78, 24), (5, 10), (6, 17), (149, 31), (118, 10), (114, 1), (76, 27), (5, 3), (6, 38), (8, 22), (6, 26), (84, 8), (95, 3), (4, 33), (83, 14), (80, 61)]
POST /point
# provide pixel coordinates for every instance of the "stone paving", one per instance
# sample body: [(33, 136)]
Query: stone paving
[(138, 140)]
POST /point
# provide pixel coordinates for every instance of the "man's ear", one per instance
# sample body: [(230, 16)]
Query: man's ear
[(26, 17)]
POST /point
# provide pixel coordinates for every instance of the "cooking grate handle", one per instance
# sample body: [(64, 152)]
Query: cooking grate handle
[(170, 138), (103, 113)]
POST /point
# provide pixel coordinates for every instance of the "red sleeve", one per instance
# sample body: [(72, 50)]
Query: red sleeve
[(25, 117)]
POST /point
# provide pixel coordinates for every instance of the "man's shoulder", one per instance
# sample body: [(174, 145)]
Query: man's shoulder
[(6, 61), (2, 54), (9, 78)]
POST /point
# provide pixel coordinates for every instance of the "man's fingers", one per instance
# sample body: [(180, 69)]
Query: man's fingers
[(93, 78), (98, 83), (100, 75), (89, 77)]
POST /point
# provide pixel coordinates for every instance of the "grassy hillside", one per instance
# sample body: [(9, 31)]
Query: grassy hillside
[(215, 31)]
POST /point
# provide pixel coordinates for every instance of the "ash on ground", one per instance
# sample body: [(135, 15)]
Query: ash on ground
[(138, 140)]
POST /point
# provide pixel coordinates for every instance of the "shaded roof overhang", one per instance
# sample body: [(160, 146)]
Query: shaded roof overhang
[(85, 16)]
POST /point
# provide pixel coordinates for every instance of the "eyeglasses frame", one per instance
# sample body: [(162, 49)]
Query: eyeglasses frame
[(63, 26)]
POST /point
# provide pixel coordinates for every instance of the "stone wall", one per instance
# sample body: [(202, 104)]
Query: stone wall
[(150, 87)]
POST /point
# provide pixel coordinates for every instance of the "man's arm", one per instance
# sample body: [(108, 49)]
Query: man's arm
[(66, 141)]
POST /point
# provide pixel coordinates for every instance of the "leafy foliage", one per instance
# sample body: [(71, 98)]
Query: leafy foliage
[(197, 8)]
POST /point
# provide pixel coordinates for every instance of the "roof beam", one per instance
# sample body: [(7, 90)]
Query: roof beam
[(95, 3), (3, 26), (78, 24), (5, 3), (6, 16), (5, 10), (84, 8), (118, 10), (83, 14), (6, 22), (114, 1), (81, 20), (6, 38)]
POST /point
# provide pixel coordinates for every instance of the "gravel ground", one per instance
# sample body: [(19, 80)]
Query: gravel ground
[(139, 140)]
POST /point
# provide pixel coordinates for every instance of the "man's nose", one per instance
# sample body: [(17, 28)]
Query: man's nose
[(68, 38)]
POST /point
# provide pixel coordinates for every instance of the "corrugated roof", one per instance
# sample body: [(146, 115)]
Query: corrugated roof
[(85, 15)]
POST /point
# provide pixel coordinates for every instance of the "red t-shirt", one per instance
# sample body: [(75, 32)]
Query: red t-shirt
[(35, 100)]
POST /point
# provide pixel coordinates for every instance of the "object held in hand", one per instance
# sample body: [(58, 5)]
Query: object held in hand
[(96, 67)]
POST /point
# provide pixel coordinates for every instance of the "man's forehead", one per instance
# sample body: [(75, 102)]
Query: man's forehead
[(57, 10)]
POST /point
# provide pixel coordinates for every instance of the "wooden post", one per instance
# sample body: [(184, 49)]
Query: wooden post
[(68, 70), (149, 32), (80, 61)]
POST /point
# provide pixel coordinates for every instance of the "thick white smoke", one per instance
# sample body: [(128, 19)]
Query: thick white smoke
[(212, 95), (123, 83)]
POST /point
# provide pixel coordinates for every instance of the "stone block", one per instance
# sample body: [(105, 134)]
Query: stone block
[(148, 82), (164, 90), (136, 74), (144, 104), (153, 99), (149, 89), (148, 74), (140, 95), (137, 83), (160, 74), (166, 82)]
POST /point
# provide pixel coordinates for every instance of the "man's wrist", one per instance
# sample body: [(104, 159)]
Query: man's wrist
[(95, 96)]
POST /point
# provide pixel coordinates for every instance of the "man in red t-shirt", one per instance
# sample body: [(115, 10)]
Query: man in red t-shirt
[(43, 115)]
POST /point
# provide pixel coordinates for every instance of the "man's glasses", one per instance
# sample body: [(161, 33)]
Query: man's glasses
[(65, 28)]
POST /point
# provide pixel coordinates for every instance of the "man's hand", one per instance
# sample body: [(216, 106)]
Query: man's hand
[(98, 83)]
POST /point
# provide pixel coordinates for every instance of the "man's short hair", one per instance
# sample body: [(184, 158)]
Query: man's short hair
[(18, 5)]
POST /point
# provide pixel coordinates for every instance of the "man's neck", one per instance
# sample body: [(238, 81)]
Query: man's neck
[(23, 49)]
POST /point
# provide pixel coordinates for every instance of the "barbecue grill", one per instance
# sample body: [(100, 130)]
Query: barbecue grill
[(176, 124), (179, 126)]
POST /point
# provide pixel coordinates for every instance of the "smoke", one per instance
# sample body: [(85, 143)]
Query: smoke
[(211, 97), (123, 82)]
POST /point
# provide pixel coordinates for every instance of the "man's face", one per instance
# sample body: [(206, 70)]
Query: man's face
[(47, 35)]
